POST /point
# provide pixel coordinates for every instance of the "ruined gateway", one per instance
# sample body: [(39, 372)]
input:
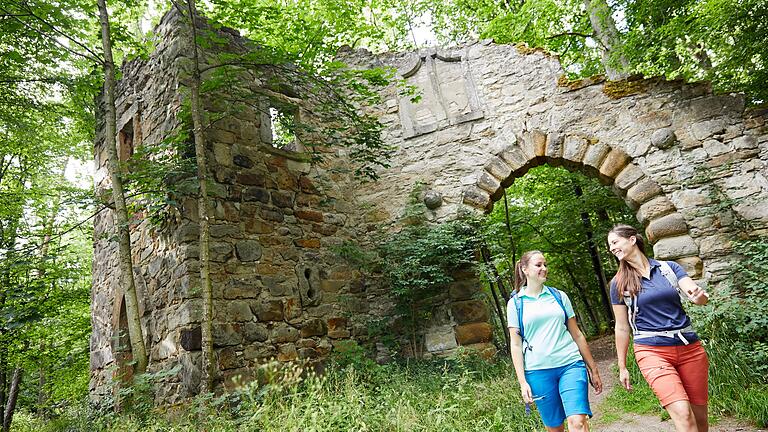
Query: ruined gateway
[(488, 113)]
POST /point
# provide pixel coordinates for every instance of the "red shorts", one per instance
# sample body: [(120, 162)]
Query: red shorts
[(675, 372)]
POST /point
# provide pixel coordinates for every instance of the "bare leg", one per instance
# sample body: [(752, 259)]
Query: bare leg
[(560, 428), (702, 421), (682, 416), (578, 423)]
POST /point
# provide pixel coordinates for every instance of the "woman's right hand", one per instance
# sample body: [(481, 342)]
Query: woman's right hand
[(525, 389), (624, 379)]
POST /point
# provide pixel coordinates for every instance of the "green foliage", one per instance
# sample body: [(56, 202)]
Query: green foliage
[(735, 316), (462, 395), (546, 214), (416, 262), (718, 40)]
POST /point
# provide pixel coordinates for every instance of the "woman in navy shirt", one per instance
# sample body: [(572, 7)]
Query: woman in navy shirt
[(647, 301)]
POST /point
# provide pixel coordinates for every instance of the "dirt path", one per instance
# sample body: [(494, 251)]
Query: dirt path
[(605, 356)]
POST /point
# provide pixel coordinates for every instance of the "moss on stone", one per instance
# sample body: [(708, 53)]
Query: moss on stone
[(627, 87)]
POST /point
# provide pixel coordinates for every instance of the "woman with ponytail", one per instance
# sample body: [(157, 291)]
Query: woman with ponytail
[(551, 356), (647, 300)]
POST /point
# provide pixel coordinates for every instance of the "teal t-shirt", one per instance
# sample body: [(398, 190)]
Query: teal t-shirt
[(551, 343)]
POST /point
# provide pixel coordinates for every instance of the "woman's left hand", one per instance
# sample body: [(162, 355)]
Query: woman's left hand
[(594, 379)]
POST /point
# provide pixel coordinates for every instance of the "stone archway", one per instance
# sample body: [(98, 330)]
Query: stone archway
[(664, 226)]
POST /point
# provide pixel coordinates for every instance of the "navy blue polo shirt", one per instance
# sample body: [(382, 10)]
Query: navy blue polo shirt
[(659, 306)]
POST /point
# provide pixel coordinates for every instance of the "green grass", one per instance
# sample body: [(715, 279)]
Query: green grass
[(463, 395)]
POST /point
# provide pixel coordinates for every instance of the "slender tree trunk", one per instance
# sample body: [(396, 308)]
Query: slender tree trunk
[(118, 195), (582, 294), (512, 243), (499, 309), (13, 395), (600, 16), (3, 375), (209, 371), (595, 256)]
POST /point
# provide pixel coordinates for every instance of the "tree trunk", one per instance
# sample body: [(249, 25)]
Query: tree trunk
[(209, 371), (499, 309), (13, 395), (582, 294), (600, 16), (595, 256), (118, 195)]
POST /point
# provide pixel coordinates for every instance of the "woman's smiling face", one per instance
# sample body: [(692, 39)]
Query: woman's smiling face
[(620, 246), (536, 270)]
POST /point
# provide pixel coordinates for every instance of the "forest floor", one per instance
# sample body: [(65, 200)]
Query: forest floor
[(607, 419)]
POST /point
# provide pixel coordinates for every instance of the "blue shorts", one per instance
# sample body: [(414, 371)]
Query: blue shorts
[(563, 391)]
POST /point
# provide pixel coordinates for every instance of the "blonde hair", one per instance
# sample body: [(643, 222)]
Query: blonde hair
[(628, 278), (520, 278)]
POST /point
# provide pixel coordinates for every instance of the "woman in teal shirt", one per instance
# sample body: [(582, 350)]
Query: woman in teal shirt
[(548, 349)]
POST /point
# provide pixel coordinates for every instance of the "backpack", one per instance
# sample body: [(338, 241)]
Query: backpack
[(632, 308), (519, 308)]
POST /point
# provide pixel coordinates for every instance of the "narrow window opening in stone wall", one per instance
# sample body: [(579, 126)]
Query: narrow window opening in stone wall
[(283, 120), (125, 142), (122, 347)]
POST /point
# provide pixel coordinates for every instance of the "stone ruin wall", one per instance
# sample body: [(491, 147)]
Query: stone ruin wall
[(488, 113), (279, 290)]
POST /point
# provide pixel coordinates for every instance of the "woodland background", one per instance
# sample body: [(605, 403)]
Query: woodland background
[(55, 63)]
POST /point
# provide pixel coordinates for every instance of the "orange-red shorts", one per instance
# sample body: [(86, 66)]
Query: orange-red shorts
[(675, 372)]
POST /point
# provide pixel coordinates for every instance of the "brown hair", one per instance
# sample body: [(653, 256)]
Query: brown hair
[(627, 279), (520, 278)]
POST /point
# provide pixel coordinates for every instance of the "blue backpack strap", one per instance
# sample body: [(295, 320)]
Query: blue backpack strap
[(559, 299), (519, 309)]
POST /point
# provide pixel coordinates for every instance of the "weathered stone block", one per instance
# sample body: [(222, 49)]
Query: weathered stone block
[(310, 215), (287, 352), (644, 191), (255, 194), (630, 175), (285, 333), (282, 199), (671, 248), (614, 162), (574, 149), (469, 311), (539, 141), (234, 310), (513, 157), (663, 138), (666, 226), (654, 209), (255, 332), (440, 339), (313, 327), (692, 265), (252, 179), (337, 328), (270, 310), (463, 290), (248, 250), (554, 145), (498, 169), (477, 198), (226, 335), (228, 359), (488, 183), (468, 334), (595, 154)]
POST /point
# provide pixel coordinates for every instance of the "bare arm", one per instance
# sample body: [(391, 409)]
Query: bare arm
[(586, 354), (694, 292), (621, 331), (516, 352)]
